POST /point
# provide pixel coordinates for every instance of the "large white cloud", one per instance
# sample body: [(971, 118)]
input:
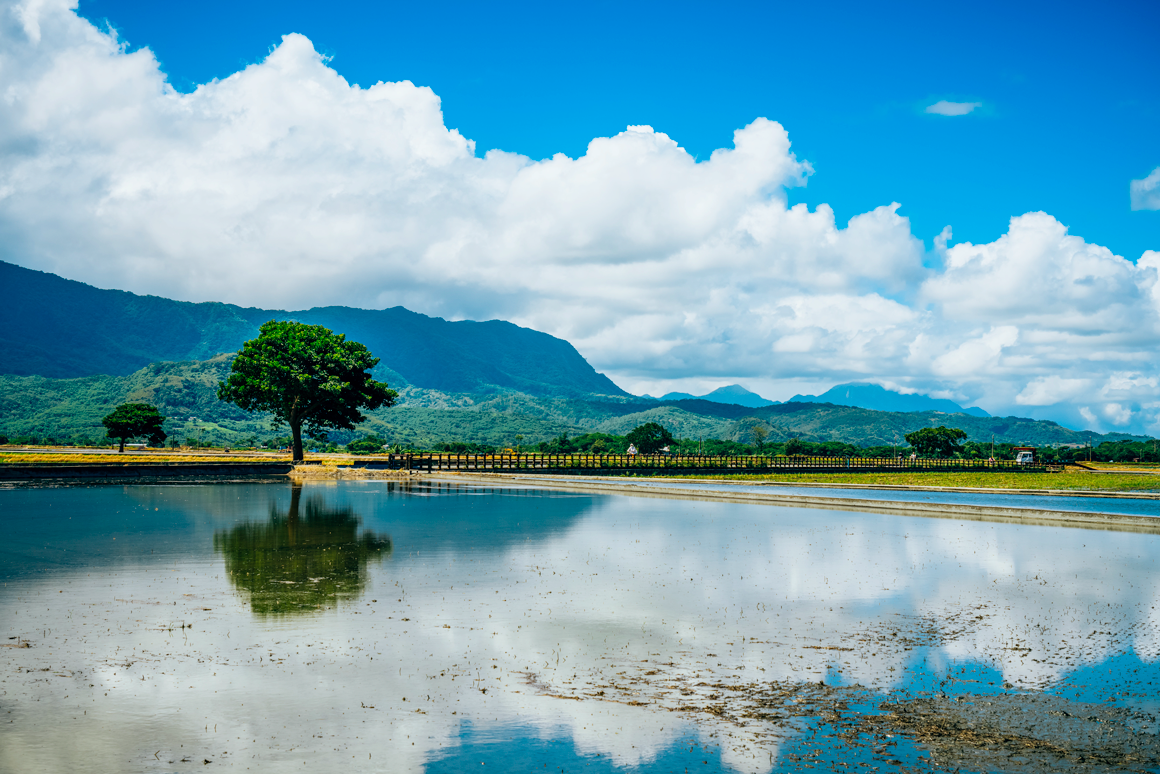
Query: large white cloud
[(285, 186)]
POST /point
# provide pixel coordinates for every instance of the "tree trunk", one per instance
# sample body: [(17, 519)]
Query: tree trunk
[(296, 431), (292, 516), (122, 449)]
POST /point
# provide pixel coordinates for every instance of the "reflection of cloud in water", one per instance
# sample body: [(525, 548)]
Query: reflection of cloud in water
[(718, 592), (300, 560), (813, 578)]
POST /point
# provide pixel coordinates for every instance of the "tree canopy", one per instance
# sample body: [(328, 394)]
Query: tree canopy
[(305, 375), (937, 441), (796, 447), (135, 420), (649, 438), (301, 560)]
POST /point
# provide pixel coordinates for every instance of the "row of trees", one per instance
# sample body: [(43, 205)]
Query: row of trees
[(145, 423)]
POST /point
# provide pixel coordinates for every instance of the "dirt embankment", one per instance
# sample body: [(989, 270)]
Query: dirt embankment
[(345, 472)]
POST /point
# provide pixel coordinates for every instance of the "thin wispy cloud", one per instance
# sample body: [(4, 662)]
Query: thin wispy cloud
[(1146, 192), (945, 108)]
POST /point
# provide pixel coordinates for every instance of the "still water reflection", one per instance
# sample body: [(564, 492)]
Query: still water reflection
[(263, 627), (301, 559)]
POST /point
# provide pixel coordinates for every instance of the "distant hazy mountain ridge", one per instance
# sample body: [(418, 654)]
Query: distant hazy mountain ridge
[(878, 398), (733, 394)]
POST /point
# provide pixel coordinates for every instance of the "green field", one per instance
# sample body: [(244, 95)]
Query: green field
[(1069, 481)]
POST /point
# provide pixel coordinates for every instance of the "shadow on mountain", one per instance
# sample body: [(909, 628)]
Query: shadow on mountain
[(301, 560)]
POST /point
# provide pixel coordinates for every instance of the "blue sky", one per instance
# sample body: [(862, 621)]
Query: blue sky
[(1070, 92), (962, 201)]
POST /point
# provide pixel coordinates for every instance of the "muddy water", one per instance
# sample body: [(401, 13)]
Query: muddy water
[(389, 627)]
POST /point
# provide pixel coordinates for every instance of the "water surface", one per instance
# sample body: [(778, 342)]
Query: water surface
[(437, 627), (1086, 503)]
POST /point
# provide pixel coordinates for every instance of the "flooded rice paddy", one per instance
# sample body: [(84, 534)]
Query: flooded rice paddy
[(430, 627)]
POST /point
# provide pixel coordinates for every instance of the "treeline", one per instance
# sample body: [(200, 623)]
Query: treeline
[(604, 443), (1112, 451)]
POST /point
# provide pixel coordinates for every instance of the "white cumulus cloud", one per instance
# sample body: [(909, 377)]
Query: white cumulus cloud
[(945, 108), (284, 185), (1049, 390)]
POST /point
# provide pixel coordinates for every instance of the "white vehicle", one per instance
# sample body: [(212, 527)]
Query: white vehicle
[(1024, 458)]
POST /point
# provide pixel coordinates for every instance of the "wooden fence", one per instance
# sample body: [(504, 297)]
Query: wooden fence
[(676, 463)]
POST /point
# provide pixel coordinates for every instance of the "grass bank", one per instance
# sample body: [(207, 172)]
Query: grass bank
[(1069, 480)]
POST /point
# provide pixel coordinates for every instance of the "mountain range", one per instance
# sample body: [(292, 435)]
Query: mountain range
[(874, 396), (70, 352), (857, 394)]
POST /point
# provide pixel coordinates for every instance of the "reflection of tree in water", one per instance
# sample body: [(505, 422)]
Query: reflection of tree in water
[(301, 560)]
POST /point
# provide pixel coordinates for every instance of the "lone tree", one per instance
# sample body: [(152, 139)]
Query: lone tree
[(937, 441), (305, 375), (649, 438), (135, 420)]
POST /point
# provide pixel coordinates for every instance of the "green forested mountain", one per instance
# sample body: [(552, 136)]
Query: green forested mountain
[(71, 409), (50, 326)]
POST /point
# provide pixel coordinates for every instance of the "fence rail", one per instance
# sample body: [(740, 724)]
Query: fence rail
[(652, 463)]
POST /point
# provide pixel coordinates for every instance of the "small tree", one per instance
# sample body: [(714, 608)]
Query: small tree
[(759, 432), (558, 445), (305, 375), (649, 438), (135, 420), (796, 447), (371, 444), (937, 441)]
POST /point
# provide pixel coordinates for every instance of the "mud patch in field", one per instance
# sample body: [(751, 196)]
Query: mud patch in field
[(841, 728)]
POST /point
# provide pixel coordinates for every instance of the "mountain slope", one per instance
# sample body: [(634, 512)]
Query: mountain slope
[(878, 398), (53, 327), (50, 326)]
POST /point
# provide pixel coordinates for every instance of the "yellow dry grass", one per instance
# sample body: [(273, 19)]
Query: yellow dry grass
[(83, 458)]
